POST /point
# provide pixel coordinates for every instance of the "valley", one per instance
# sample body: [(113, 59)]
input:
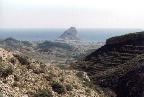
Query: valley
[(70, 67)]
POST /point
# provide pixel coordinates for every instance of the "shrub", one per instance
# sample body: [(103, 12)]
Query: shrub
[(49, 78), (13, 60), (62, 78), (68, 87), (37, 67), (38, 71), (59, 88), (43, 93), (16, 78), (4, 72), (22, 59), (15, 84)]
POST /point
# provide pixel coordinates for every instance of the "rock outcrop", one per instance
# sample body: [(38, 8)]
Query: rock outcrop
[(70, 34), (118, 66)]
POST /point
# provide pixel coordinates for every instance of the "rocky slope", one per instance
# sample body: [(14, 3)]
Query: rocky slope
[(118, 66), (21, 76)]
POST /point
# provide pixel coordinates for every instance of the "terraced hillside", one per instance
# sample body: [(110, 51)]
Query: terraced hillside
[(118, 65)]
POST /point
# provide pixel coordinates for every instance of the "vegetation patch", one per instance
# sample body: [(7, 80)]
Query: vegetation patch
[(59, 88), (43, 93), (22, 59), (13, 60), (69, 87), (5, 71)]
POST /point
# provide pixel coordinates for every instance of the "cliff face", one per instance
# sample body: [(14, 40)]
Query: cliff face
[(118, 65)]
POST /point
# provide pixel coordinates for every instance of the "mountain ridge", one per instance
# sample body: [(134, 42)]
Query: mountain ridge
[(113, 65)]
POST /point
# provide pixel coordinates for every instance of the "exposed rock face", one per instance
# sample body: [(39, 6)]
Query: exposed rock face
[(118, 65), (70, 34)]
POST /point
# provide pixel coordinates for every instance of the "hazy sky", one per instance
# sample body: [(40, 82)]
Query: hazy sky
[(66, 13)]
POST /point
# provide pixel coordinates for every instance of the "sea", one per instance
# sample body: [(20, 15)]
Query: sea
[(41, 34)]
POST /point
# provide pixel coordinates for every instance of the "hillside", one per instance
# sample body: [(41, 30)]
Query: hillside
[(21, 76), (118, 65)]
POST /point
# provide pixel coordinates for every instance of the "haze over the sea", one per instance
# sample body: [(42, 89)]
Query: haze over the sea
[(52, 34), (25, 19)]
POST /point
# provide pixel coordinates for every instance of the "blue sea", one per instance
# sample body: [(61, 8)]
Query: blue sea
[(52, 34)]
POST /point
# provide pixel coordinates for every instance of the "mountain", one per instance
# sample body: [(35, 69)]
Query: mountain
[(118, 66), (22, 76), (70, 34)]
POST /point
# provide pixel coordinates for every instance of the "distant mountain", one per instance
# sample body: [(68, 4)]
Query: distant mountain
[(70, 34), (118, 66), (11, 40)]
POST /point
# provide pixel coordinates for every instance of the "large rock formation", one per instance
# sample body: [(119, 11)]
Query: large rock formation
[(70, 34), (118, 65)]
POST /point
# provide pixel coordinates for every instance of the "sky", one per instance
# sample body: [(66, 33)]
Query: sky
[(66, 13)]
